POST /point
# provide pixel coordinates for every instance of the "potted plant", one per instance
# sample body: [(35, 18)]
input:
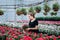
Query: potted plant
[(46, 9), (31, 10), (37, 9), (1, 12), (53, 13), (21, 11), (56, 7), (18, 12)]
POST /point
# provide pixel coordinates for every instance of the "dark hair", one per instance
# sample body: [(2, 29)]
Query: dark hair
[(33, 15)]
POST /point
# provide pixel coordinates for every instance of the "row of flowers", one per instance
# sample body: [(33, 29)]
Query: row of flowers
[(43, 22), (12, 33), (50, 22)]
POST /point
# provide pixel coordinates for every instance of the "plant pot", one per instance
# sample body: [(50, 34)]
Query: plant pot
[(1, 13), (19, 13), (55, 9), (38, 11), (25, 14)]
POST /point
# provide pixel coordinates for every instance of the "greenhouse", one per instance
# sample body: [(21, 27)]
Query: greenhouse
[(29, 19)]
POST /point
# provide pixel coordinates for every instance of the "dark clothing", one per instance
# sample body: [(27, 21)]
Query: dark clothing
[(32, 25)]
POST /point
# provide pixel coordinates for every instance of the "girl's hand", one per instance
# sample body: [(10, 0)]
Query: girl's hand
[(24, 31), (28, 29)]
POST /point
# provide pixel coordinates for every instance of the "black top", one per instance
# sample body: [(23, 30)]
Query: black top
[(33, 24)]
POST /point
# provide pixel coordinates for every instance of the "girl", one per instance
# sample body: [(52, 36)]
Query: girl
[(33, 24)]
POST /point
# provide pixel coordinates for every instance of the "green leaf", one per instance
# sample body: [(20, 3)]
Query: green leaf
[(37, 8), (46, 8)]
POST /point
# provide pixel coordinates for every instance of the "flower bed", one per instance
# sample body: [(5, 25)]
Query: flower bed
[(12, 33), (50, 22), (49, 18)]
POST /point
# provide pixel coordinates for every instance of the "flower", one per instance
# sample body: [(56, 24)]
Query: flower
[(40, 34), (15, 36), (30, 32), (58, 36), (54, 38), (39, 39), (7, 38), (11, 39), (21, 38), (47, 36), (27, 38), (35, 34)]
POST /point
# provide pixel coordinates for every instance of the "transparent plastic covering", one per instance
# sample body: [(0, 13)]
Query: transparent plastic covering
[(9, 8)]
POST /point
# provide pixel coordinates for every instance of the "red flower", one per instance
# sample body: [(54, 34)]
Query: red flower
[(39, 39), (35, 34), (40, 34), (27, 38), (15, 36), (21, 38), (58, 36), (11, 39), (30, 32), (7, 38), (44, 38), (54, 38), (48, 37), (3, 31)]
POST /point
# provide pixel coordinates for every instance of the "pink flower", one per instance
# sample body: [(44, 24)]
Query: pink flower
[(30, 32), (11, 38), (47, 36), (41, 34), (27, 38), (7, 38), (21, 38), (35, 34), (54, 38), (3, 31), (15, 36), (58, 36), (39, 39)]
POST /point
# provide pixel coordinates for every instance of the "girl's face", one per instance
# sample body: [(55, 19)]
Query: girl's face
[(30, 17)]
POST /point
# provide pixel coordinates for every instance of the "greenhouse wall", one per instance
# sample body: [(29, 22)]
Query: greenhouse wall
[(9, 8)]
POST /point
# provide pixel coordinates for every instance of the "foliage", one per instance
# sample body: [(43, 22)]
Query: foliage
[(49, 18), (53, 13), (46, 8), (21, 11), (31, 10), (1, 12), (37, 9), (56, 7)]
